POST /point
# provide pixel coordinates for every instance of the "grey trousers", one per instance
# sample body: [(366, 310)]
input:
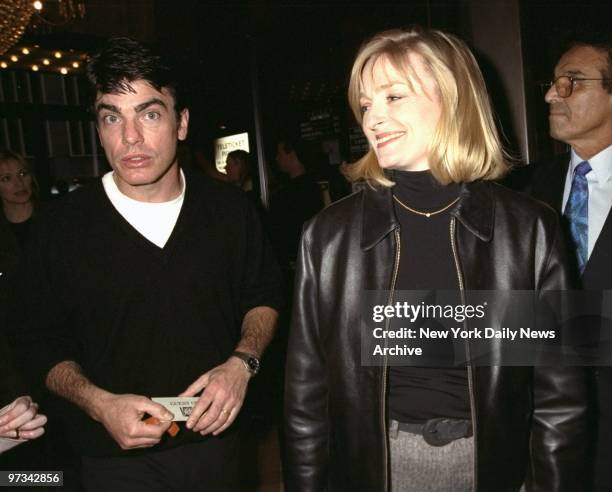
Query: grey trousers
[(418, 467)]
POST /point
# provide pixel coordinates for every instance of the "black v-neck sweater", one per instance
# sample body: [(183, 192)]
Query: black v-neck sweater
[(426, 264), (138, 318)]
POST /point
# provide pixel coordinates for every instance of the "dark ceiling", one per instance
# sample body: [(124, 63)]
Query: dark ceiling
[(300, 51)]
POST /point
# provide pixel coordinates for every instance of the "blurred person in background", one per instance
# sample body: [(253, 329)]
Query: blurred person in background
[(19, 417), (296, 201), (18, 190), (238, 169), (578, 185)]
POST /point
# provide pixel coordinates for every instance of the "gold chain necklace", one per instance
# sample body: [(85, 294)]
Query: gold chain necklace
[(426, 214)]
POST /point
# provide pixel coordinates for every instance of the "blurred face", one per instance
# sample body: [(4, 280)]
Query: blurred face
[(399, 120), (584, 119), (282, 157), (233, 168), (139, 133), (15, 183)]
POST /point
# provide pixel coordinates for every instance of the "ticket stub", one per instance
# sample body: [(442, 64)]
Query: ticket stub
[(180, 406)]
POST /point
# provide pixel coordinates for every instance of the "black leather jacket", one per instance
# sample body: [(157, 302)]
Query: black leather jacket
[(529, 424)]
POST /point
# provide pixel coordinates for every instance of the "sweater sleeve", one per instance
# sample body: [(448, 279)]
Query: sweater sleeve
[(261, 279)]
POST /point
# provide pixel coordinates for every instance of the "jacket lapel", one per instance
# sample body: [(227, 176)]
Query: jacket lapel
[(378, 217), (475, 210)]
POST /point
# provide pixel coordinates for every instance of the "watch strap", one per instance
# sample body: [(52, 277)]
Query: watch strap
[(249, 360)]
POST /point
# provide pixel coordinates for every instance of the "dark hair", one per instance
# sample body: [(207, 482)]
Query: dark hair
[(124, 60), (601, 41), (295, 144), (244, 158), (241, 155)]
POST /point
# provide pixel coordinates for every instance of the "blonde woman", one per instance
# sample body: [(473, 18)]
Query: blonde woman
[(17, 197), (427, 217)]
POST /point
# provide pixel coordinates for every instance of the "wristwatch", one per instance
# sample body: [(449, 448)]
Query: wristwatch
[(250, 361)]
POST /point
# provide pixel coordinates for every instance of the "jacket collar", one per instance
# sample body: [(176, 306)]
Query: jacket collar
[(475, 211)]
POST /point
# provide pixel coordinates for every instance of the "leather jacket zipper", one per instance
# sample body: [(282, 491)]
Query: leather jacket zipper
[(453, 240), (383, 401)]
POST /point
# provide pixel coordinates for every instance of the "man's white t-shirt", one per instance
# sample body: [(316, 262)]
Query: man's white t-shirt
[(155, 221)]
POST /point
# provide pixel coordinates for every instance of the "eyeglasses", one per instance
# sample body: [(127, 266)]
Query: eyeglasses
[(564, 85)]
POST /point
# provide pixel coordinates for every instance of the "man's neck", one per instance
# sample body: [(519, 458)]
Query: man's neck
[(165, 189), (586, 150)]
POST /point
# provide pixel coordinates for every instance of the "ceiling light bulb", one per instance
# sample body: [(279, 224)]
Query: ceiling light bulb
[(35, 68), (14, 58), (3, 65), (25, 51), (38, 5), (75, 64), (63, 70), (57, 54), (46, 61)]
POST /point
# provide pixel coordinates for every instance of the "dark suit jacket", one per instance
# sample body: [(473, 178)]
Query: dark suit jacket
[(547, 184)]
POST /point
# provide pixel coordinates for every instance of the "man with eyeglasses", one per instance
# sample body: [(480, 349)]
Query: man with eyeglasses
[(579, 186)]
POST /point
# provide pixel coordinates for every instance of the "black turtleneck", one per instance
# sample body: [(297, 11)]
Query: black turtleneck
[(417, 394)]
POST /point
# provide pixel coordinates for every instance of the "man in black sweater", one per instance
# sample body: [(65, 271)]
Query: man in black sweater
[(154, 282)]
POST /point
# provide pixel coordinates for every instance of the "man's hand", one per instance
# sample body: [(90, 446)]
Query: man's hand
[(219, 404), (122, 416), (21, 420)]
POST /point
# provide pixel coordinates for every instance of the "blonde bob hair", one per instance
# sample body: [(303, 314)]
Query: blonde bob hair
[(466, 145)]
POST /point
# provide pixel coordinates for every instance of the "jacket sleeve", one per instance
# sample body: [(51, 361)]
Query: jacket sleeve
[(306, 391), (559, 429)]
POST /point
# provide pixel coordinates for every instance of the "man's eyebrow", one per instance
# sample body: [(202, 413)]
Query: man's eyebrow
[(573, 72), (150, 102), (109, 107)]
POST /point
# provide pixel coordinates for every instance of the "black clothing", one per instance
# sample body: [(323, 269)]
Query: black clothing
[(11, 385), (528, 423), (142, 319), (22, 231), (291, 206), (417, 394), (196, 467), (547, 184)]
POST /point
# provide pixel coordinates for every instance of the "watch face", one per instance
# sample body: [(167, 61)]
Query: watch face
[(253, 364)]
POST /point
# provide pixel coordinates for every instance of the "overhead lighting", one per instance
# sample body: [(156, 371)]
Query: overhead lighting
[(25, 51), (14, 58), (3, 64), (57, 55), (63, 70), (46, 61), (75, 64), (14, 18), (35, 68), (38, 5)]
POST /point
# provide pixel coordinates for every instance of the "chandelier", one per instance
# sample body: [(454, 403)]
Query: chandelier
[(14, 18), (16, 15)]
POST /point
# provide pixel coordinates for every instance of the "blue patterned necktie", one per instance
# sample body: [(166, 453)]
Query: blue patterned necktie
[(577, 213)]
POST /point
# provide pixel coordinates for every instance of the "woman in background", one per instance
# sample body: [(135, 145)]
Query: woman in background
[(18, 195), (19, 417)]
